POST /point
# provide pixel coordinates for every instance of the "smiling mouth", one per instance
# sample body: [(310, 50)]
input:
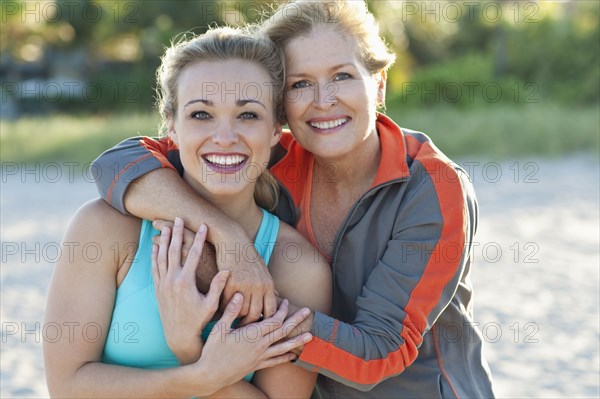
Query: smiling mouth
[(225, 163), (329, 125)]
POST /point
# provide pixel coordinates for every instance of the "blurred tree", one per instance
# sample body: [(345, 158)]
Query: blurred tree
[(552, 44)]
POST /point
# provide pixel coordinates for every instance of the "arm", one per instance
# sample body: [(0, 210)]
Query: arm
[(305, 281), (408, 288), (127, 178)]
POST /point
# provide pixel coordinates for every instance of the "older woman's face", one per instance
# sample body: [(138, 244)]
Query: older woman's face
[(331, 97)]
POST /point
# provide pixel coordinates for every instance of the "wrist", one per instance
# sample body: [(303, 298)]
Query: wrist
[(230, 232), (197, 378), (230, 238), (187, 351)]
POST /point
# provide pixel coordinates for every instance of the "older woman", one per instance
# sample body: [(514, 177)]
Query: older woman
[(394, 217)]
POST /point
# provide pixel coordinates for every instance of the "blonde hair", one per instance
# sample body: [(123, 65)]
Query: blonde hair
[(222, 44), (300, 17)]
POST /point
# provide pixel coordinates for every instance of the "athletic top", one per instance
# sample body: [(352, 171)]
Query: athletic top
[(136, 337)]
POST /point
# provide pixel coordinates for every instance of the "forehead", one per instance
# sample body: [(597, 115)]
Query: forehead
[(322, 47), (224, 82)]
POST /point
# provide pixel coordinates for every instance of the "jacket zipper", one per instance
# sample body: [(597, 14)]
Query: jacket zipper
[(344, 225)]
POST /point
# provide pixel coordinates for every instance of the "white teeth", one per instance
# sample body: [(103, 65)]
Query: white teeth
[(328, 124), (225, 160)]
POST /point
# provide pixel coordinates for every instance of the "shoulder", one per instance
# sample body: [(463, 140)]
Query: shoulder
[(97, 223), (299, 271), (97, 215)]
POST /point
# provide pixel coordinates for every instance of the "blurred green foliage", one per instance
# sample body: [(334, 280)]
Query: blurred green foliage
[(463, 54), (537, 51)]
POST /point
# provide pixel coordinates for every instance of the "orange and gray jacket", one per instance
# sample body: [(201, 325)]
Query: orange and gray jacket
[(401, 323)]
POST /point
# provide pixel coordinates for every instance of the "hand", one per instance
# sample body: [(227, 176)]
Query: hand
[(249, 274), (184, 311), (233, 353), (208, 266), (250, 277)]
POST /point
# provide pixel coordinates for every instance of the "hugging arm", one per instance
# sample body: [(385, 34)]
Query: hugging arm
[(137, 176), (304, 281)]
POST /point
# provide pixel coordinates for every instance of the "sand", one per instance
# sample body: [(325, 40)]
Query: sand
[(536, 271)]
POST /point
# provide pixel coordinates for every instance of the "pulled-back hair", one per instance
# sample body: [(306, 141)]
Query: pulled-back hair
[(299, 17), (222, 44)]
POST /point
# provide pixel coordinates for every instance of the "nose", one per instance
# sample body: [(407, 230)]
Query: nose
[(326, 95), (225, 135)]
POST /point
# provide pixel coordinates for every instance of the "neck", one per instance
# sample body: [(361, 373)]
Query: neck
[(240, 207), (358, 168)]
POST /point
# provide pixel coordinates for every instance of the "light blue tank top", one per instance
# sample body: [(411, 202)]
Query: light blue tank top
[(136, 337)]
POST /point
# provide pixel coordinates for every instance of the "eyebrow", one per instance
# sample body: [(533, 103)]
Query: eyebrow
[(200, 100), (239, 103), (333, 68)]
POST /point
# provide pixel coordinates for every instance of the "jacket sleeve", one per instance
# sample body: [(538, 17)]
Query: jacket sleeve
[(117, 167), (408, 288)]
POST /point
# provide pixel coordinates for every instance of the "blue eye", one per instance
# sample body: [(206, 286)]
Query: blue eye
[(342, 76), (249, 115), (200, 115), (300, 85)]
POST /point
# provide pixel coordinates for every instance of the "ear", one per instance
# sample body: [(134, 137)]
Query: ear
[(381, 81), (276, 134), (171, 129)]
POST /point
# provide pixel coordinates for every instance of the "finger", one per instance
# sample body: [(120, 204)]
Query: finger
[(193, 258), (175, 247), (274, 322), (232, 311), (188, 240), (246, 305), (276, 361), (216, 287), (158, 224), (269, 304), (155, 275), (287, 345), (254, 311), (163, 248), (292, 322)]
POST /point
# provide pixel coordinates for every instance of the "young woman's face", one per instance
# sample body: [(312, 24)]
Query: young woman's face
[(224, 126), (331, 97)]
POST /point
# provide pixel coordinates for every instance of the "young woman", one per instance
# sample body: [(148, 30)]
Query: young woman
[(142, 301), (393, 215)]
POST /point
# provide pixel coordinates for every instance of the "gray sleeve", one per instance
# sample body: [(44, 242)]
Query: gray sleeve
[(117, 167)]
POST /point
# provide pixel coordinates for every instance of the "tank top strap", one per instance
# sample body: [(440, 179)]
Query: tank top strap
[(140, 274), (266, 238)]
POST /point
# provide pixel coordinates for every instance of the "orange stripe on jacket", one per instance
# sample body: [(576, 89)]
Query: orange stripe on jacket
[(425, 295)]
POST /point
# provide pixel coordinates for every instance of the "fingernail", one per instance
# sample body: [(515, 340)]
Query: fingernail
[(202, 228), (178, 221), (237, 297), (305, 312), (307, 338)]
